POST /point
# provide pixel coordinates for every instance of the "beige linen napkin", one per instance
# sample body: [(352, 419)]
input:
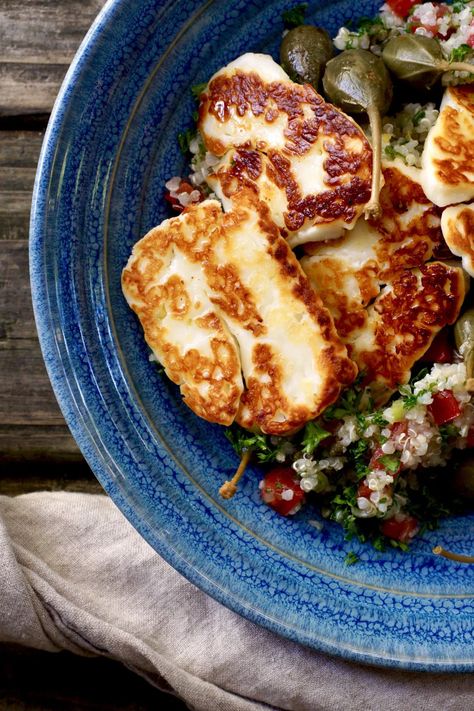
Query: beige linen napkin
[(77, 576)]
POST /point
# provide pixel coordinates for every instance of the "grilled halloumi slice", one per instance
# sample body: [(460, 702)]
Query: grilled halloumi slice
[(448, 154), (308, 161), (457, 224), (220, 293), (402, 322), (348, 273)]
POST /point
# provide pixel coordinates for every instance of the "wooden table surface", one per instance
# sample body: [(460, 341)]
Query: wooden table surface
[(38, 39)]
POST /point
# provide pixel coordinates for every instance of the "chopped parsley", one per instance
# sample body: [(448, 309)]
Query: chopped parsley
[(185, 138), (390, 463), (459, 54), (351, 558), (448, 432), (313, 435), (370, 26), (260, 444), (198, 89), (295, 16), (418, 117)]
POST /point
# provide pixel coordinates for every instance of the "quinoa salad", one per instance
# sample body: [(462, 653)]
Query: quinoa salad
[(387, 467)]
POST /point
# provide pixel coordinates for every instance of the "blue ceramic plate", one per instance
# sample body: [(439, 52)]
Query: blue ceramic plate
[(110, 146)]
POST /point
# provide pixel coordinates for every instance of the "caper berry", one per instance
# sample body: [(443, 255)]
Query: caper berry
[(358, 82), (304, 52), (419, 60)]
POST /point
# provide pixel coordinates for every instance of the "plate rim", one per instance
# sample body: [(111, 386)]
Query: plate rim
[(92, 453)]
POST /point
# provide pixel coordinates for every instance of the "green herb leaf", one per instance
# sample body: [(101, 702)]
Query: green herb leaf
[(459, 54), (418, 116), (185, 138), (370, 26), (351, 558), (448, 432), (409, 399), (295, 16), (198, 89), (313, 435), (260, 444), (390, 463)]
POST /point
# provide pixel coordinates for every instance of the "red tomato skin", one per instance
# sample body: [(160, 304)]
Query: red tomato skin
[(184, 187), (278, 480), (444, 407), (364, 491), (402, 531), (440, 350), (401, 7)]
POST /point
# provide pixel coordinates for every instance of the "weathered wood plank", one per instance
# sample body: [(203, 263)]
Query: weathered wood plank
[(38, 40), (26, 397), (19, 153), (31, 424), (38, 443)]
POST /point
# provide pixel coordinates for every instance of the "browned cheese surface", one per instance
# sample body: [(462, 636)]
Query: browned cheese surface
[(228, 311)]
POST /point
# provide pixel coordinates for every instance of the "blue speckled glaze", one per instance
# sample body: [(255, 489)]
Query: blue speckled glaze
[(110, 146)]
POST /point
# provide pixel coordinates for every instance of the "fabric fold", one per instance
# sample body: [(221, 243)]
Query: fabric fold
[(77, 576)]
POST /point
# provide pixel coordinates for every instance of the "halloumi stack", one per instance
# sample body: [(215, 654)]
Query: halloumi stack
[(386, 310), (457, 224), (309, 162), (228, 311), (448, 154)]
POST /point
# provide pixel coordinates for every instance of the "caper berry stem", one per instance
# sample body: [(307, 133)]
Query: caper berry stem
[(456, 67), (458, 557), (373, 209), (468, 357), (229, 488)]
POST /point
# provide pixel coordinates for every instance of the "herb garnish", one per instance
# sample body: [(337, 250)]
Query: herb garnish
[(185, 138), (313, 435), (295, 16)]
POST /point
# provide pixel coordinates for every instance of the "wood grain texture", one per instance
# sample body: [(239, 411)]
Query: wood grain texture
[(31, 424), (38, 40), (19, 153)]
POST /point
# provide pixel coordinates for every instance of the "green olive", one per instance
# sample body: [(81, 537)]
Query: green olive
[(304, 52), (419, 60), (358, 82), (464, 339)]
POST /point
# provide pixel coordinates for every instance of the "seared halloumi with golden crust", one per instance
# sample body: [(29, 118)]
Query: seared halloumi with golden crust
[(221, 293), (165, 285), (402, 322), (348, 273), (457, 224), (448, 154), (308, 161)]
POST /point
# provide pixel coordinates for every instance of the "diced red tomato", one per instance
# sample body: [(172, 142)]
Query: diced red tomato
[(399, 428), (275, 487), (415, 22), (364, 490), (441, 350), (400, 529), (184, 187), (470, 39), (444, 407), (401, 7)]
